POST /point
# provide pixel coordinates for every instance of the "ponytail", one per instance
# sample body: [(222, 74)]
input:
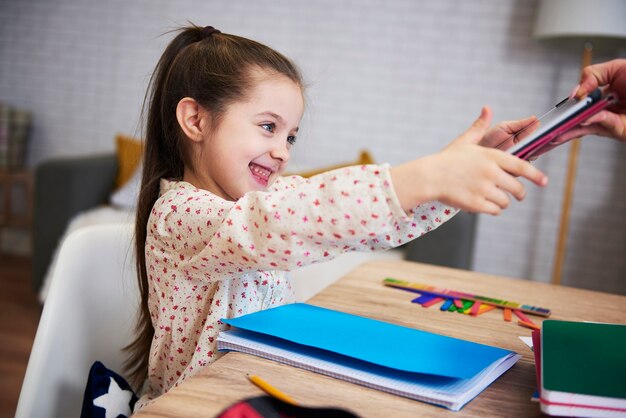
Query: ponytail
[(214, 69)]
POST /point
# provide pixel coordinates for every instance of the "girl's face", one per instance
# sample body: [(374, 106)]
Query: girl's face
[(250, 147)]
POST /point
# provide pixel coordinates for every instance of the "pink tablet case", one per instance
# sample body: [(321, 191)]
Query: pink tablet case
[(532, 148)]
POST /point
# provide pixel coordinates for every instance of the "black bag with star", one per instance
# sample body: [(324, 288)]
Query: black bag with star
[(107, 394)]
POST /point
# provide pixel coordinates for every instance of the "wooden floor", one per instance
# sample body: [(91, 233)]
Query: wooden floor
[(19, 315)]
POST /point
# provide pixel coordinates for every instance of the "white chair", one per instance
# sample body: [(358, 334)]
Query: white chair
[(89, 315)]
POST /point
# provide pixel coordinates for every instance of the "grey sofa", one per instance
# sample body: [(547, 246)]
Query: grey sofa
[(66, 187), (450, 245)]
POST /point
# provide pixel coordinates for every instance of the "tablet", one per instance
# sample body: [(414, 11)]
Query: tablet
[(565, 115)]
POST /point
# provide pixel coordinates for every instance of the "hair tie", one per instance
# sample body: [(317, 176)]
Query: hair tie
[(208, 31)]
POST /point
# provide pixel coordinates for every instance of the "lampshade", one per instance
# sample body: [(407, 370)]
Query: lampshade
[(573, 22)]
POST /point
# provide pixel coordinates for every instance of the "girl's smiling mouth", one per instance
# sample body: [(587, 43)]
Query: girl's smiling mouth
[(261, 174)]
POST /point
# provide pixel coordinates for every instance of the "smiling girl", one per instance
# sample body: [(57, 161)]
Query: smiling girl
[(218, 227)]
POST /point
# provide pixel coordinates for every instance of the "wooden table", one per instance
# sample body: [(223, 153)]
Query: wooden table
[(361, 292)]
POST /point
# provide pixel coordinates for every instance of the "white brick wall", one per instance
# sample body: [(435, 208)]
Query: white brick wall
[(399, 78)]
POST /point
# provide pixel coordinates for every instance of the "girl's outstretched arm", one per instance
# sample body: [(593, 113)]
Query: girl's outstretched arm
[(465, 175), (296, 223)]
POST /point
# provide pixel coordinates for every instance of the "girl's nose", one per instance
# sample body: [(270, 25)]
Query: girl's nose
[(280, 151)]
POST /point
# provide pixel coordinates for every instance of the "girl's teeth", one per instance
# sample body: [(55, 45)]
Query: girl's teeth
[(260, 171)]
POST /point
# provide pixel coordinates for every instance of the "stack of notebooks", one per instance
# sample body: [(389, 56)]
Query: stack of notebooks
[(404, 361), (581, 368)]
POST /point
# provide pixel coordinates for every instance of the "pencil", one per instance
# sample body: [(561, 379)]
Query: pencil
[(271, 390)]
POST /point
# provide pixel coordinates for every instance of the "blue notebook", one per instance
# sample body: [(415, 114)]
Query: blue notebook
[(408, 362)]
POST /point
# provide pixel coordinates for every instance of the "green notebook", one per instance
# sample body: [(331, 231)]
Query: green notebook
[(583, 365)]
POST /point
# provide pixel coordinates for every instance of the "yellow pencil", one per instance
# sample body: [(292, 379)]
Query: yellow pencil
[(271, 390)]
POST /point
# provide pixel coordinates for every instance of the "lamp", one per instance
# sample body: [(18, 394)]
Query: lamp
[(582, 25)]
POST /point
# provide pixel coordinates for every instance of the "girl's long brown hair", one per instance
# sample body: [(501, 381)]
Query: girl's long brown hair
[(215, 69)]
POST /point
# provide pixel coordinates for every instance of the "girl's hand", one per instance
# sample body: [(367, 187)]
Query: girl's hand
[(466, 175), (501, 136)]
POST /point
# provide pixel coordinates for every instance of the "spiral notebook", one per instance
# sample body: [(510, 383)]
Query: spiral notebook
[(416, 364)]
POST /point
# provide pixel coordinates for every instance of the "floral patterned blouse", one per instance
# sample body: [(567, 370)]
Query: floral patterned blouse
[(208, 258)]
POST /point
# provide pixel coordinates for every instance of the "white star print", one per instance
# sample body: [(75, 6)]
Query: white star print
[(115, 402)]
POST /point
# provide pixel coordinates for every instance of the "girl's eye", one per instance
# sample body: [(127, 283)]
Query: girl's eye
[(291, 139), (270, 127)]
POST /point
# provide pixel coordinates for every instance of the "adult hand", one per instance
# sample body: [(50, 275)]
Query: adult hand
[(502, 135), (611, 122)]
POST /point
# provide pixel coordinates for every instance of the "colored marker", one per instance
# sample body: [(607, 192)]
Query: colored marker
[(529, 325), (467, 306), (421, 288), (486, 308), (431, 302), (521, 316), (423, 299), (483, 308), (446, 305), (475, 308), (506, 313)]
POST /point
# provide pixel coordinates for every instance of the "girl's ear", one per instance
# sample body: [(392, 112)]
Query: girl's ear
[(191, 118)]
